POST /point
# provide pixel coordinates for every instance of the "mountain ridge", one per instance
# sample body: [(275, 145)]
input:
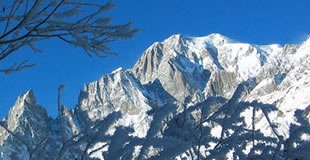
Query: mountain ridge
[(182, 70)]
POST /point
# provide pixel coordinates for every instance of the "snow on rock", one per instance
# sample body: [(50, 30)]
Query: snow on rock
[(183, 70), (26, 118), (118, 91)]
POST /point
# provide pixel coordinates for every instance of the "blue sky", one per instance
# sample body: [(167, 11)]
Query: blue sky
[(253, 21)]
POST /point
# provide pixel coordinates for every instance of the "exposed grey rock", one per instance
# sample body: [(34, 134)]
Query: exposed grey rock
[(180, 70), (28, 122), (222, 83)]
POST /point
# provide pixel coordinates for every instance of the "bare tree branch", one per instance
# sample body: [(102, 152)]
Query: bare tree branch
[(17, 67), (79, 23)]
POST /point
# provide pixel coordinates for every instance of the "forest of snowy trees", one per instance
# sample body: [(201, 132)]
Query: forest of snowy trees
[(179, 134)]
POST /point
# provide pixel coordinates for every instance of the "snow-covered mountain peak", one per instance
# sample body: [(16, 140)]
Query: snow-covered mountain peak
[(211, 52), (297, 55), (26, 104), (184, 72), (28, 97), (272, 49), (27, 117), (306, 45), (308, 38), (212, 39), (174, 42), (117, 70), (176, 38), (215, 39)]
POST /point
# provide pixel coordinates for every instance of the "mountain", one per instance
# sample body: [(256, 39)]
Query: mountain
[(184, 71)]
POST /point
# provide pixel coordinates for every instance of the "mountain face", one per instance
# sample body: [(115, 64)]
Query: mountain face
[(180, 70)]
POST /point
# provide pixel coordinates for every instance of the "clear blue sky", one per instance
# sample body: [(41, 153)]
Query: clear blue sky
[(253, 21)]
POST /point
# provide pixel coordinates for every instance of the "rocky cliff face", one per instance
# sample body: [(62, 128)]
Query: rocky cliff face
[(27, 120), (183, 70)]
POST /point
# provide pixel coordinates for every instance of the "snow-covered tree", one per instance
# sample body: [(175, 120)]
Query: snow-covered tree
[(80, 23), (297, 146), (212, 129)]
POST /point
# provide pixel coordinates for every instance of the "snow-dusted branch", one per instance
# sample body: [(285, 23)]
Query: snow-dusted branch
[(78, 23)]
